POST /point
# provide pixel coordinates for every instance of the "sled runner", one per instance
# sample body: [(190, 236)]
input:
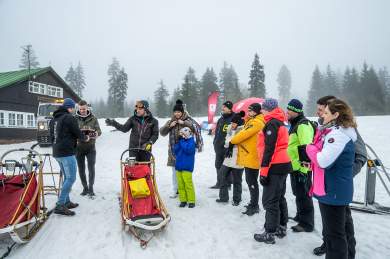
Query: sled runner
[(22, 199), (142, 210), (374, 168)]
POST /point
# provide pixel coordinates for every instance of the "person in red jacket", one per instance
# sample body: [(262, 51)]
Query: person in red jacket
[(275, 166)]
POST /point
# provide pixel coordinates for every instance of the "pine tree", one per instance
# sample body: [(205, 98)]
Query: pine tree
[(229, 85), (70, 78), (161, 101), (79, 79), (372, 94), (29, 59), (257, 77), (117, 91), (284, 81), (315, 91), (384, 79), (208, 84), (350, 88), (331, 86), (189, 92)]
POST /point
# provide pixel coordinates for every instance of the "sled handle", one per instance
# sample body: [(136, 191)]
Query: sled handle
[(31, 151), (137, 149)]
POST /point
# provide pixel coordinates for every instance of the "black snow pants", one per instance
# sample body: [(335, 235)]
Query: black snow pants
[(300, 186), (251, 177), (236, 174), (274, 202), (338, 231), (89, 152)]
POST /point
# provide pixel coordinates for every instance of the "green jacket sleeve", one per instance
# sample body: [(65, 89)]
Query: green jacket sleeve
[(305, 134)]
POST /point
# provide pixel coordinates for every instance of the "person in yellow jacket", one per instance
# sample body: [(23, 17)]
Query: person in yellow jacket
[(248, 157)]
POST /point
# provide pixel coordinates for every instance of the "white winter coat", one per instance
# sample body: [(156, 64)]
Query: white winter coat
[(232, 161)]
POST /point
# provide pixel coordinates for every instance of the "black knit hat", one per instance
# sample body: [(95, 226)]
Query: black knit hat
[(256, 107), (238, 118), (228, 104), (295, 105), (178, 106)]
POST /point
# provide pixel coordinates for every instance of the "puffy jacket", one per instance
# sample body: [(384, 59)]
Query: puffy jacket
[(220, 132), (272, 145), (336, 157), (174, 134), (301, 133), (64, 132), (246, 140), (232, 161), (185, 154), (89, 122), (143, 130)]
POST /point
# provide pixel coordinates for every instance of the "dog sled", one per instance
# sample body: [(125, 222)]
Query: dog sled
[(143, 212)]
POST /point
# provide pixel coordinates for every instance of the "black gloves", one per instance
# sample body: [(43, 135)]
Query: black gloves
[(264, 180), (110, 122), (303, 157), (229, 151)]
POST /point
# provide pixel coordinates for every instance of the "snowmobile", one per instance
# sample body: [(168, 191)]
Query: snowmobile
[(143, 212), (22, 193)]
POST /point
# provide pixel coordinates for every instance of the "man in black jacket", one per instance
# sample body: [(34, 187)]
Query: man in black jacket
[(219, 138), (144, 130), (65, 132)]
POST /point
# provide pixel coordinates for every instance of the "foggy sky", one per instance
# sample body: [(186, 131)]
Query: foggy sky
[(160, 39)]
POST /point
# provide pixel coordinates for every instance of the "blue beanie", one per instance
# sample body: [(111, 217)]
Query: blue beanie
[(295, 105), (269, 104), (69, 103)]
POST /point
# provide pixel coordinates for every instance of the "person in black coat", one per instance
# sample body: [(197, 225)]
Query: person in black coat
[(144, 130), (64, 134), (219, 138)]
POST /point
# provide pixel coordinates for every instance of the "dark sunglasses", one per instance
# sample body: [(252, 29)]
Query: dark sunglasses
[(139, 107)]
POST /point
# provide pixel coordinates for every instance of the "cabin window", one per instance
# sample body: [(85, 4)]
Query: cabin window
[(19, 120), (44, 89), (30, 120), (11, 119), (1, 118)]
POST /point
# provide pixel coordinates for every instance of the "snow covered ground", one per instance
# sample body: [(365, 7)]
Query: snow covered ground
[(209, 231)]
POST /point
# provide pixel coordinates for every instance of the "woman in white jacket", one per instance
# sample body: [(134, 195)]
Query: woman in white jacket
[(229, 166)]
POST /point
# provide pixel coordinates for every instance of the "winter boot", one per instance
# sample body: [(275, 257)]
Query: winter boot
[(84, 192), (296, 218), (235, 203), (191, 205), (298, 228), (63, 210), (221, 201), (91, 193), (182, 204), (281, 231), (70, 205), (266, 237), (321, 250), (252, 210)]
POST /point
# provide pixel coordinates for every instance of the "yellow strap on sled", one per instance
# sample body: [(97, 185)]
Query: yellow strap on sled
[(139, 188)]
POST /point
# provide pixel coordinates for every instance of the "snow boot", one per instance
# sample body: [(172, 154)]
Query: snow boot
[(321, 250), (252, 210), (91, 193), (70, 205), (191, 205), (221, 201), (265, 237), (63, 210), (235, 203), (182, 204), (298, 228), (84, 192), (281, 231)]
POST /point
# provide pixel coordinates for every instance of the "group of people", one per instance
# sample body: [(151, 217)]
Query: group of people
[(320, 157)]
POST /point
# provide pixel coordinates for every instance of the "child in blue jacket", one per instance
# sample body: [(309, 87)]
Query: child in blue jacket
[(184, 165)]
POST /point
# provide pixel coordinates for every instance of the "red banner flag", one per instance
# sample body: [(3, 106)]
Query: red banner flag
[(212, 106)]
